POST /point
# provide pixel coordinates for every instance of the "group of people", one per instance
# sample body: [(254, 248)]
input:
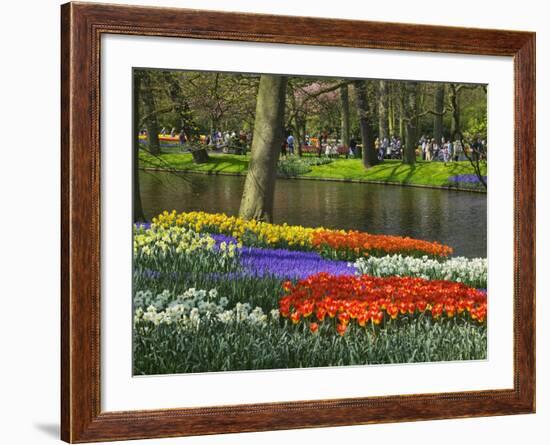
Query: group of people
[(230, 139), (443, 150), (388, 148), (216, 139), (320, 144), (430, 149), (448, 151)]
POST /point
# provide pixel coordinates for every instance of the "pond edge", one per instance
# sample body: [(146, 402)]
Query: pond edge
[(315, 178)]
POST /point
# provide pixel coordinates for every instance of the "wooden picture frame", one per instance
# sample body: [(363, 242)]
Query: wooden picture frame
[(82, 25)]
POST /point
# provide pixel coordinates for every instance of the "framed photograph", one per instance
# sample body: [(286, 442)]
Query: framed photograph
[(275, 222)]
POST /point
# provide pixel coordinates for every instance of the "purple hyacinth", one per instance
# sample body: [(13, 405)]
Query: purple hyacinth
[(222, 238), (467, 178), (143, 225), (289, 263), (283, 263), (279, 263)]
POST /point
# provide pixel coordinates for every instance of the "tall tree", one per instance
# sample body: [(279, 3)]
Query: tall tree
[(137, 206), (317, 99), (344, 99), (149, 108), (382, 109), (297, 117), (259, 186), (402, 105), (410, 102), (180, 104), (454, 90), (391, 109), (439, 97), (369, 156)]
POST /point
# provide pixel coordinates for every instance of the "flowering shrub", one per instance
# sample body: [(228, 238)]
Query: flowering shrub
[(367, 299), (472, 272), (335, 244), (295, 166)]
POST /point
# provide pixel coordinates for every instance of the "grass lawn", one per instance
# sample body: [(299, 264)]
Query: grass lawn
[(423, 173), (184, 161)]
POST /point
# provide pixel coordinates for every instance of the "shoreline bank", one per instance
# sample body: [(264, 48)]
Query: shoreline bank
[(314, 178)]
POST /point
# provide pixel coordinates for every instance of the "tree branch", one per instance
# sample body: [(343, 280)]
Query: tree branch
[(144, 119)]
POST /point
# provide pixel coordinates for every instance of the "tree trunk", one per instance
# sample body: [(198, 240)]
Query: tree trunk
[(344, 98), (295, 122), (304, 130), (420, 96), (410, 103), (455, 108), (259, 186), (298, 135), (200, 156), (150, 110), (181, 104), (401, 92), (391, 113), (369, 156), (438, 108), (382, 109), (137, 206), (401, 116)]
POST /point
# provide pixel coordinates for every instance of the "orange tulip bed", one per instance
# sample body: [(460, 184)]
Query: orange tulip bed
[(349, 245)]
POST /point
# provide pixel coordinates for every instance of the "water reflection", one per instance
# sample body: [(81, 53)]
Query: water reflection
[(458, 219)]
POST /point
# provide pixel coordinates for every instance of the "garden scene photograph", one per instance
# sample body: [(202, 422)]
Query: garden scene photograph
[(285, 221)]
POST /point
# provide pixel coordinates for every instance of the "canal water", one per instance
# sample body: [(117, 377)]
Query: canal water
[(455, 218)]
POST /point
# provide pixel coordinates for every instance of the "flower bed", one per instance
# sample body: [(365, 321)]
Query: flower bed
[(467, 181), (167, 254), (217, 293), (334, 244), (472, 272), (284, 263), (198, 331), (368, 299), (349, 245), (194, 306)]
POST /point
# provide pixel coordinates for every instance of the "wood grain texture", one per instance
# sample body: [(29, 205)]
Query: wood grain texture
[(82, 26)]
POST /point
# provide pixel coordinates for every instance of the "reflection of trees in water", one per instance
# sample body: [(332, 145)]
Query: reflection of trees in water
[(408, 210), (168, 188), (454, 218), (435, 219)]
